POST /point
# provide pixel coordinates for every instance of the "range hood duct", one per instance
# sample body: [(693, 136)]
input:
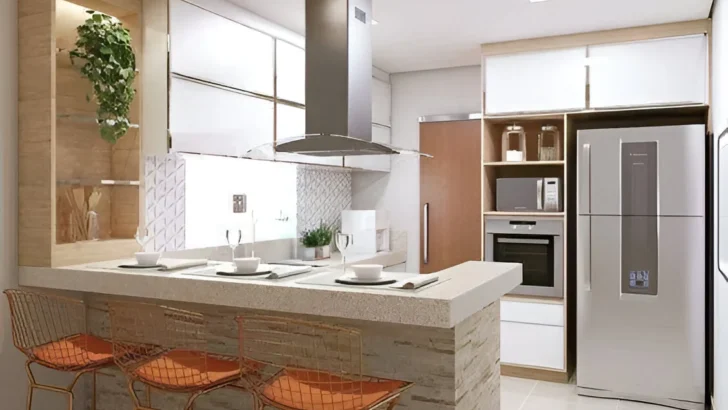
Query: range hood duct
[(338, 83)]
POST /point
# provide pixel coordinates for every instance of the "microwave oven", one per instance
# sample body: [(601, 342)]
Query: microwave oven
[(529, 195)]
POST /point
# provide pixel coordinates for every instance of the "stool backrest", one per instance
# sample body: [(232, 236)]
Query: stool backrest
[(325, 358), (141, 332), (43, 320)]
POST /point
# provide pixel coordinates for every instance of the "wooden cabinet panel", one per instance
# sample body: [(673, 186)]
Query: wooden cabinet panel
[(209, 120), (209, 47), (536, 82), (655, 72), (450, 184)]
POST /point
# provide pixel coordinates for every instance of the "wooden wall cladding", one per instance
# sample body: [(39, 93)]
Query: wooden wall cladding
[(60, 142)]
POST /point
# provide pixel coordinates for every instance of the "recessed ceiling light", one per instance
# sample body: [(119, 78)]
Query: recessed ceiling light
[(374, 22), (537, 1)]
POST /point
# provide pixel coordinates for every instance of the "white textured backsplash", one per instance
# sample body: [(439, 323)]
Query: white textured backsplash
[(322, 195), (189, 199), (164, 184)]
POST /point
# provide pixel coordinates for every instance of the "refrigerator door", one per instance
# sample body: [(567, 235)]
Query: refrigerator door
[(642, 340), (616, 167)]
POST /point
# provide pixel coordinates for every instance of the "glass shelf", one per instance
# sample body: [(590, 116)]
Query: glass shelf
[(97, 182), (85, 119)]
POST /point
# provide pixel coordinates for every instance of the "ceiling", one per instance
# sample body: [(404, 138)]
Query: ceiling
[(417, 35)]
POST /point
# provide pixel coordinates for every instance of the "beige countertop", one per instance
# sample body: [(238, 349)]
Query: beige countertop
[(461, 291)]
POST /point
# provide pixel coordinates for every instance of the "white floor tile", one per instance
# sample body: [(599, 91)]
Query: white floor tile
[(516, 385), (534, 402), (512, 401)]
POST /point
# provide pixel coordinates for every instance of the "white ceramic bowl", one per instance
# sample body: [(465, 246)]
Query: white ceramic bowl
[(147, 258), (367, 272), (246, 265)]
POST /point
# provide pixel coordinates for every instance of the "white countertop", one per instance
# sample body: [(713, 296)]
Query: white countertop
[(462, 290)]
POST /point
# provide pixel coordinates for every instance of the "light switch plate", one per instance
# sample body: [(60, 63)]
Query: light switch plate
[(240, 204)]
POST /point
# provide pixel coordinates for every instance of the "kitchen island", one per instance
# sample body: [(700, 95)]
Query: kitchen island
[(444, 337)]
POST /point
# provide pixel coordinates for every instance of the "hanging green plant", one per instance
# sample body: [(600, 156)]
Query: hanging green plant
[(110, 65)]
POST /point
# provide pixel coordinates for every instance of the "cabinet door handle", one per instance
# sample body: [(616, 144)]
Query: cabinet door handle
[(426, 234), (585, 179)]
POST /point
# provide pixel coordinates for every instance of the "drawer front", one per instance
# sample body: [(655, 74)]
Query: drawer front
[(533, 313), (532, 345)]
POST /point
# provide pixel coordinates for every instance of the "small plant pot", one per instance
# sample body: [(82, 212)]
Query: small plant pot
[(320, 252)]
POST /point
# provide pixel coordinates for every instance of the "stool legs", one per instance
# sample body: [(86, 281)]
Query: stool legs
[(32, 385)]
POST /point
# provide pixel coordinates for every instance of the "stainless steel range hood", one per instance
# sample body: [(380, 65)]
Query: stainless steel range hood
[(338, 83)]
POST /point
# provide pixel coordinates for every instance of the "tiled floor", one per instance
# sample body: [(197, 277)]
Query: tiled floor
[(522, 394)]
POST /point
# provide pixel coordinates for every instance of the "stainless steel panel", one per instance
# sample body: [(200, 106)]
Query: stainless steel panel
[(532, 226), (640, 271), (651, 346), (338, 68), (450, 117), (639, 178), (680, 168)]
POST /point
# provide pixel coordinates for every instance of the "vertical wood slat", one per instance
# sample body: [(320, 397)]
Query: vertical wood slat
[(36, 131)]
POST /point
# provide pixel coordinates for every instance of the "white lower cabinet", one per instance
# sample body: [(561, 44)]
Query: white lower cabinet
[(532, 345), (532, 334)]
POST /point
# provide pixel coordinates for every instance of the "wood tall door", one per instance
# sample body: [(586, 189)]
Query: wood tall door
[(450, 189)]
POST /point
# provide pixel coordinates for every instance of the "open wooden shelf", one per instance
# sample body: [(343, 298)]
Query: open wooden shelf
[(523, 163), (529, 214)]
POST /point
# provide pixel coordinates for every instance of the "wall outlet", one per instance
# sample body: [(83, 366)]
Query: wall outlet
[(240, 204)]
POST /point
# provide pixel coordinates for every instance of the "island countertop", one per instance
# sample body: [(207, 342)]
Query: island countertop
[(462, 291)]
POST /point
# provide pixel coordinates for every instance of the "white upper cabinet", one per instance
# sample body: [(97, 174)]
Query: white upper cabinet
[(656, 72), (381, 102), (536, 82), (383, 163), (291, 72), (291, 122), (212, 48), (210, 120)]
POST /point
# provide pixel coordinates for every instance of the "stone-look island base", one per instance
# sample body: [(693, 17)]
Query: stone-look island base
[(455, 368)]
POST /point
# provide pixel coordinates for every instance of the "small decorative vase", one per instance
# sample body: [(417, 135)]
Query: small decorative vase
[(309, 254)]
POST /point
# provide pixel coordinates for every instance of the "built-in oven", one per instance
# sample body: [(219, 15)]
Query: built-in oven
[(535, 243)]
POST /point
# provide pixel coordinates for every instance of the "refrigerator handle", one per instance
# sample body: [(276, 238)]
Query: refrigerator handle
[(584, 252), (426, 234), (585, 180)]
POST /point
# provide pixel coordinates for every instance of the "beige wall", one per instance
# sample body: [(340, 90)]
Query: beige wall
[(12, 377)]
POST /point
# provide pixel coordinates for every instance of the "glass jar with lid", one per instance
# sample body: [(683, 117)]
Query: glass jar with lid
[(513, 144), (549, 143)]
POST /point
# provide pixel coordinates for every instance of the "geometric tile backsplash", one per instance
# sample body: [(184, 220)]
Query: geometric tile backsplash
[(164, 182), (322, 195)]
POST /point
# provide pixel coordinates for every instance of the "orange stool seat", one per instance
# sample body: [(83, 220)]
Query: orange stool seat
[(77, 351), (312, 390), (181, 370)]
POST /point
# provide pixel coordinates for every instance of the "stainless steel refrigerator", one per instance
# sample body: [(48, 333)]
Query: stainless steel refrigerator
[(641, 264)]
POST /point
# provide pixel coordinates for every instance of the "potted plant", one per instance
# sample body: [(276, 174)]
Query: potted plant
[(317, 242)]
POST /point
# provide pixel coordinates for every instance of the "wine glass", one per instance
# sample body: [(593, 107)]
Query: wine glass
[(233, 244), (343, 241), (142, 240)]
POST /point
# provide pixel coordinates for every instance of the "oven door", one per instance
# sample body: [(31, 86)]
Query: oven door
[(541, 257)]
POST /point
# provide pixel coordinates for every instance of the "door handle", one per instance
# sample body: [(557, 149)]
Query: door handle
[(426, 234), (539, 194)]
